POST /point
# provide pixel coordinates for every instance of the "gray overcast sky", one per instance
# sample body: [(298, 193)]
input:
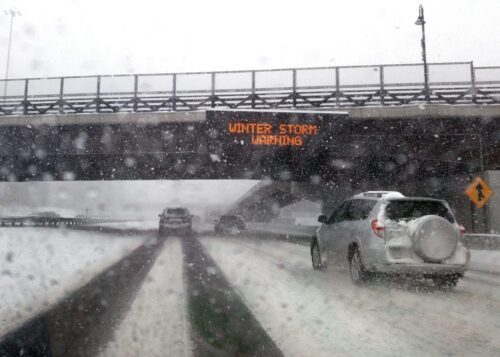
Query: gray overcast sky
[(73, 37)]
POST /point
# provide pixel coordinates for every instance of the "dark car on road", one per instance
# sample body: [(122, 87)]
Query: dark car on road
[(175, 220), (230, 224), (44, 218)]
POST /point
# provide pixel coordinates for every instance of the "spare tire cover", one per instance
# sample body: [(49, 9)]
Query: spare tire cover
[(434, 238)]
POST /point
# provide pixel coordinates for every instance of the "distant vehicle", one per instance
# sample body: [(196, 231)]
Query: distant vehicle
[(386, 232), (45, 218), (175, 220), (230, 224)]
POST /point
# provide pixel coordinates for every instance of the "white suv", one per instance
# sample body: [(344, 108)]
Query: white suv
[(386, 232)]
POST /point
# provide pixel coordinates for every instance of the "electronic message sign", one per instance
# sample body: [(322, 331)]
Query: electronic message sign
[(269, 133), (263, 141), (271, 128)]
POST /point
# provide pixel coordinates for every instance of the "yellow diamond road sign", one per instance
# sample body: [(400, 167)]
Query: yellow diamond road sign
[(479, 192)]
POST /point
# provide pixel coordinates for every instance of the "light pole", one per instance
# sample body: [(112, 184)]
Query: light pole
[(421, 22), (12, 13)]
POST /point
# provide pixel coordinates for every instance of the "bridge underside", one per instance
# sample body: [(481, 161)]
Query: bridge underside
[(433, 156), (354, 151)]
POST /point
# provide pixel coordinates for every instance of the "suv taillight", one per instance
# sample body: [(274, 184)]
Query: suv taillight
[(378, 228), (462, 230)]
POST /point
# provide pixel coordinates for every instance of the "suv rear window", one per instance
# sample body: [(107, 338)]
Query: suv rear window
[(352, 210), (360, 209), (407, 210)]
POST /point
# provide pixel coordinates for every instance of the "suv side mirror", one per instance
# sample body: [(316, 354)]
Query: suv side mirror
[(322, 219)]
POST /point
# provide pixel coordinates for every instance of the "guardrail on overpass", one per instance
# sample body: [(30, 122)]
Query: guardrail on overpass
[(54, 221), (321, 87)]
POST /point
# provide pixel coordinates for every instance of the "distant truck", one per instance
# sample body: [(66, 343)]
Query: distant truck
[(175, 220)]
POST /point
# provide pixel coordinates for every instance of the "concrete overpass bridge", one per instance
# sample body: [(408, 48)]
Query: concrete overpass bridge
[(191, 145), (376, 127), (421, 149)]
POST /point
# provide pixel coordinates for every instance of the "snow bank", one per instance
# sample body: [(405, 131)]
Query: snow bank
[(135, 225), (485, 260), (41, 266), (285, 229)]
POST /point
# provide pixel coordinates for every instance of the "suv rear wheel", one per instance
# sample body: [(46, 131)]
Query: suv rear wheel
[(316, 255), (359, 275)]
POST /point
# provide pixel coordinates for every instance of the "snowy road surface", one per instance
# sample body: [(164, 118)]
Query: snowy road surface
[(322, 314), (42, 266), (157, 319), (264, 286)]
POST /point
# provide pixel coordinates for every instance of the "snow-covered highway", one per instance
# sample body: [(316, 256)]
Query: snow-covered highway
[(42, 266), (207, 295), (307, 312)]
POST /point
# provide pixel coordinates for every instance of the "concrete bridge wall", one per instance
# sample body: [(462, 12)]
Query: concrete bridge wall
[(424, 150)]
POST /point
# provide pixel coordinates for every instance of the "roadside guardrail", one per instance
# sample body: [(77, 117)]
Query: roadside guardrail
[(303, 234), (33, 221), (482, 241)]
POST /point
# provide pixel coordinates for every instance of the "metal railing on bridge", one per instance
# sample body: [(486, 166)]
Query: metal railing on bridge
[(321, 87)]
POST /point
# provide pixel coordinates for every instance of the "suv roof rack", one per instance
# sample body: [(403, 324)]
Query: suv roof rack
[(379, 194)]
